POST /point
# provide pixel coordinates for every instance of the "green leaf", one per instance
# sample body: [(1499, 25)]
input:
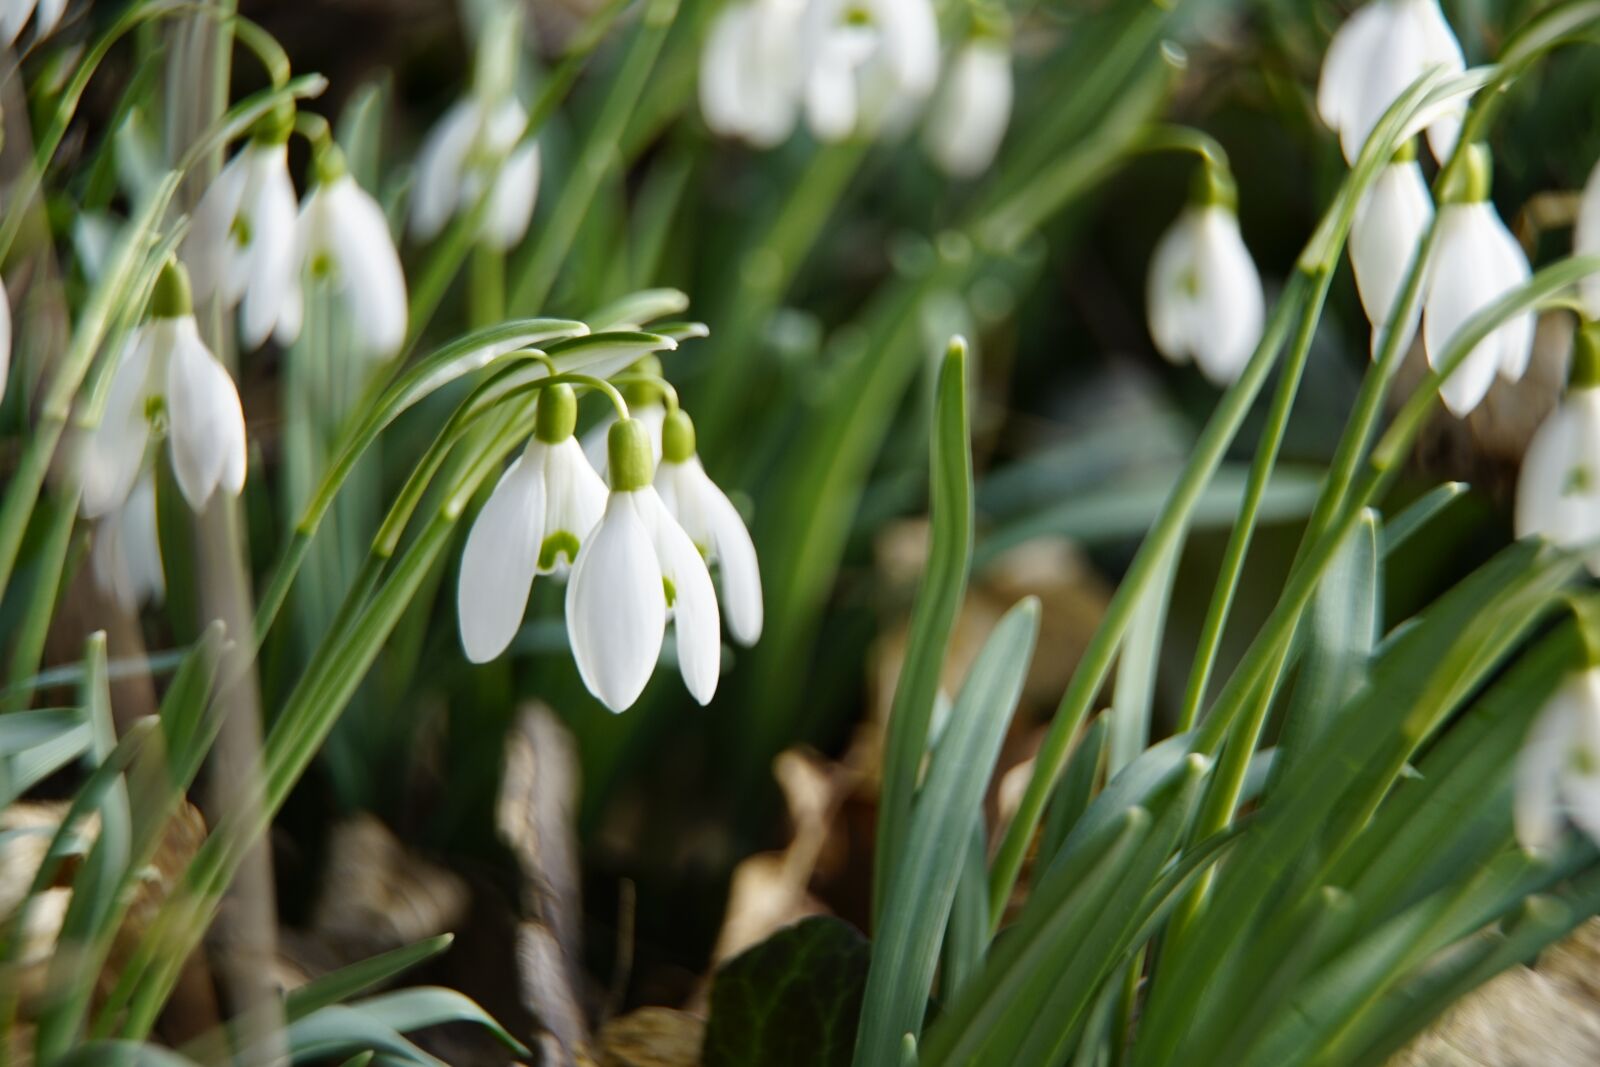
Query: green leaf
[(1410, 522), (342, 1031), (1071, 796), (922, 888), (634, 310), (414, 1009), (933, 616), (794, 1000), (36, 744), (121, 1054), (1341, 632), (357, 978)]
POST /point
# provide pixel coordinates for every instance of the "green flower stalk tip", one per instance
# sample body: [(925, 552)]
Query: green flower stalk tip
[(329, 165), (1585, 370), (628, 452), (1406, 153), (677, 437), (1213, 185), (558, 414), (1470, 180), (275, 126), (172, 298)]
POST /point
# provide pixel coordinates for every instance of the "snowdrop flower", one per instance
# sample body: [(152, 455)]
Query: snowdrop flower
[(14, 14), (476, 144), (1388, 226), (1558, 768), (751, 71), (633, 569), (870, 62), (1374, 57), (533, 523), (1476, 263), (1586, 240), (242, 243), (126, 557), (166, 375), (1558, 490), (1204, 294), (342, 238), (713, 524), (970, 116)]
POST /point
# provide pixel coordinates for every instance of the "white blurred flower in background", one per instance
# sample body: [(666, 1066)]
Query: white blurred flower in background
[(751, 71), (126, 557), (1558, 768), (474, 146), (973, 107), (1558, 489)]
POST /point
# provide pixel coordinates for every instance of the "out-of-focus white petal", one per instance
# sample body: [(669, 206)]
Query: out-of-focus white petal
[(1558, 489), (617, 606), (512, 198), (206, 247), (1509, 264), (1440, 48), (440, 165), (114, 450), (139, 535), (576, 498), (13, 15), (272, 252), (369, 275), (830, 92), (1204, 294), (1343, 67), (1586, 240), (1388, 226), (721, 73), (909, 36), (501, 557), (1536, 805), (695, 619), (969, 121), (206, 423)]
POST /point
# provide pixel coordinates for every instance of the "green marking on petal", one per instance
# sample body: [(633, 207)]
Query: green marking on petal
[(240, 231), (672, 592), (1579, 480), (1583, 761), (561, 543)]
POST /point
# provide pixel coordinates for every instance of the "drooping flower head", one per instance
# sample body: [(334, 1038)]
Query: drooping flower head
[(167, 380), (1558, 768), (713, 524), (1374, 57), (646, 406), (973, 107), (242, 243), (751, 71), (342, 240), (636, 569), (1204, 294), (1388, 226), (126, 557), (870, 64), (534, 522), (1558, 489), (1477, 262), (473, 147)]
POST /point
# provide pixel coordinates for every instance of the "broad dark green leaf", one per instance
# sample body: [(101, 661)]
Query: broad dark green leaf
[(792, 1001)]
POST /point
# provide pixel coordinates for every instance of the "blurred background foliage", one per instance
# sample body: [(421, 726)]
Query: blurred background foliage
[(829, 277)]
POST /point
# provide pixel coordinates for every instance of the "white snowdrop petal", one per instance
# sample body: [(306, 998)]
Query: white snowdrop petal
[(910, 40), (512, 198), (695, 619), (114, 450), (1459, 287), (501, 557), (207, 246), (1536, 805), (575, 496), (965, 130), (1440, 48), (1508, 263), (206, 423), (735, 554), (721, 94), (370, 277), (1170, 289), (272, 254), (616, 606), (1388, 226), (440, 164), (1541, 507), (1344, 64), (139, 536), (1231, 302), (831, 100)]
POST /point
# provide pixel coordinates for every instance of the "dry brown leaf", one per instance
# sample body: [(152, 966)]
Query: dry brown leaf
[(651, 1037)]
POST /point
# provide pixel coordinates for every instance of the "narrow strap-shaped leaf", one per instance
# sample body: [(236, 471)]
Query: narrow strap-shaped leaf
[(357, 978), (1421, 511), (413, 1009), (922, 890), (967, 938), (1070, 798), (944, 586)]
